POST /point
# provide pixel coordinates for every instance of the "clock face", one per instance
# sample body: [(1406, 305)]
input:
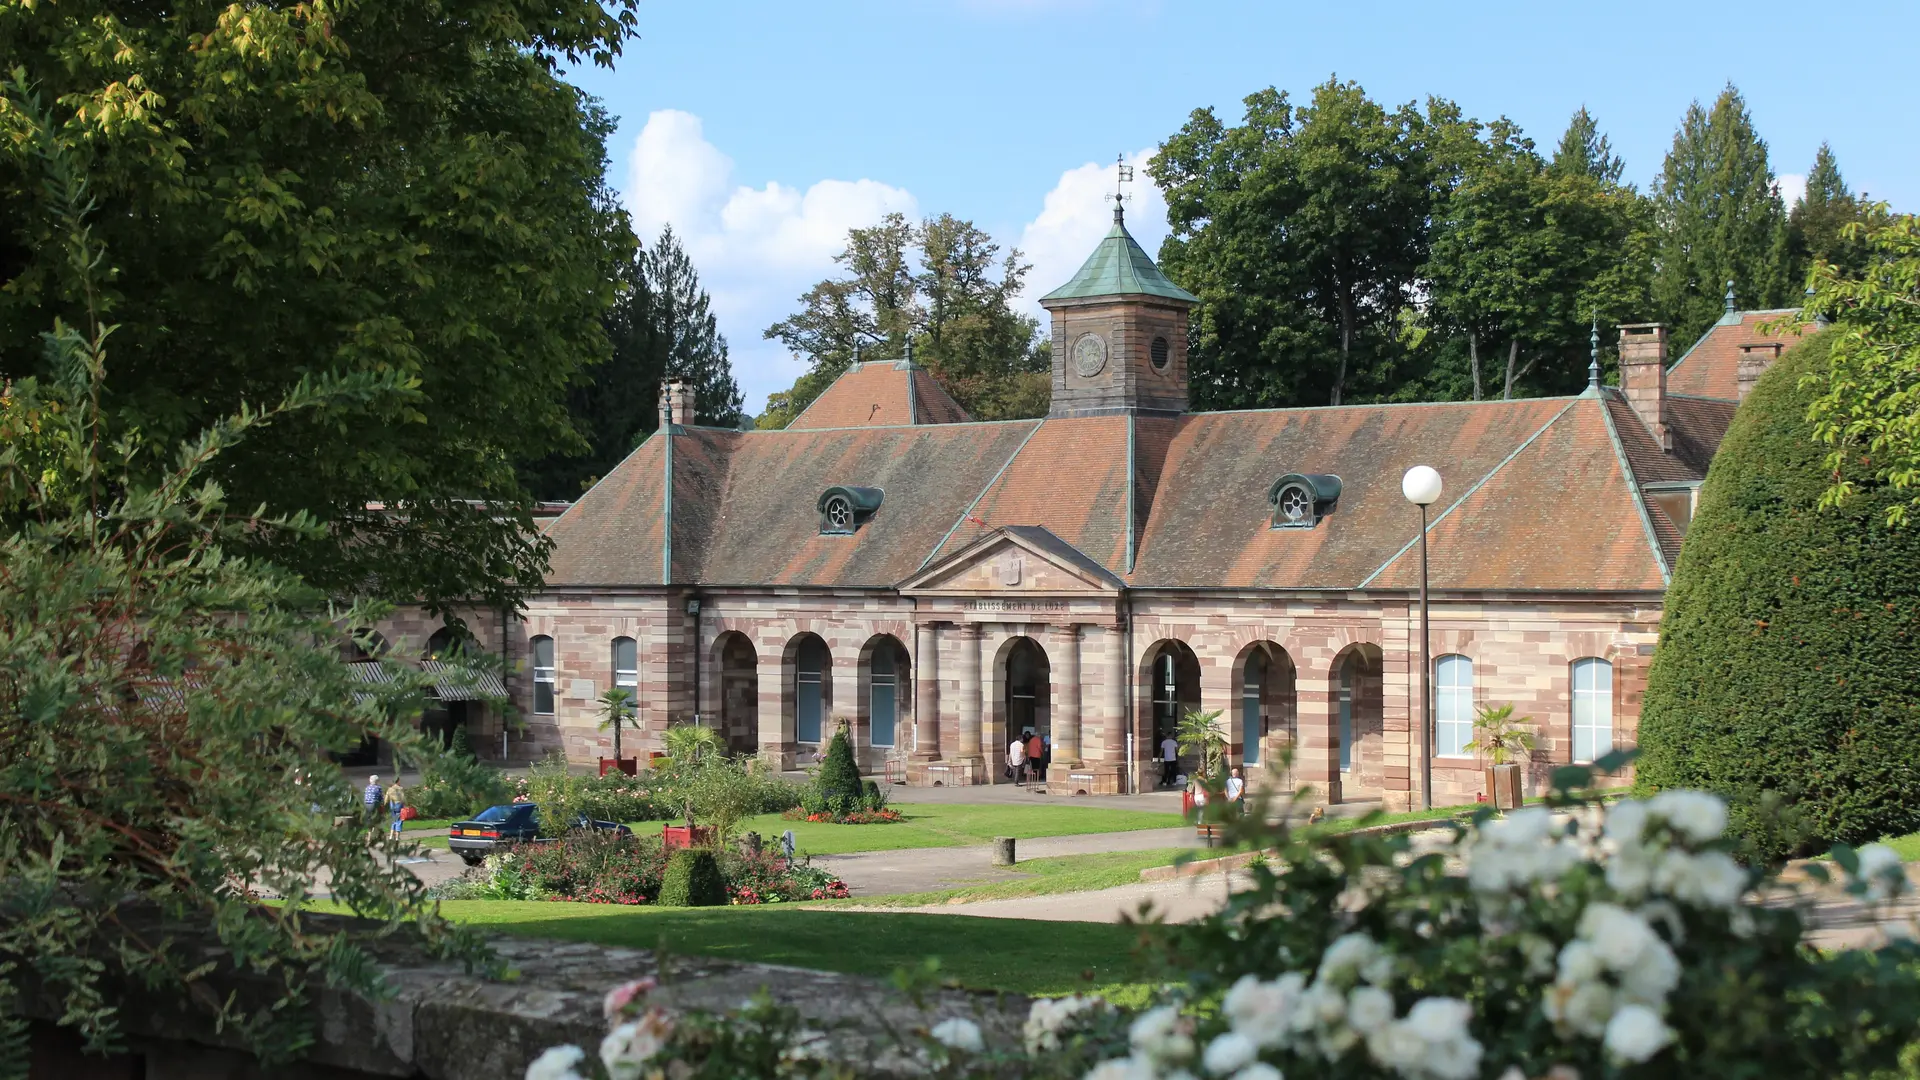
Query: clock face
[(1089, 355)]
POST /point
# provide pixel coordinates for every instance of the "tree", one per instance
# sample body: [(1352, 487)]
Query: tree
[(1868, 409), (1721, 221), (167, 706), (1585, 151), (1302, 231), (1819, 220), (661, 327), (931, 287), (297, 190), (1790, 649)]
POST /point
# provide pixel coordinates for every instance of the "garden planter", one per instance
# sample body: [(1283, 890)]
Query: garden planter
[(1503, 786), (673, 837), (630, 766)]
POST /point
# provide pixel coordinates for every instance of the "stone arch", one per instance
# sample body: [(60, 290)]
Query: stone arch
[(734, 664), (806, 690), (883, 706), (1265, 702), (1018, 694), (1357, 693), (1169, 682)]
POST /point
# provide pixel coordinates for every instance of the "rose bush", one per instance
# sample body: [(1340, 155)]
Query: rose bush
[(1563, 940)]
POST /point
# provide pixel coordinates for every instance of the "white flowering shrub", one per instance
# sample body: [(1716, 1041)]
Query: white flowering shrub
[(1564, 941)]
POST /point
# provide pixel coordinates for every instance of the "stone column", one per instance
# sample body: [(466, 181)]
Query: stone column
[(1113, 711), (969, 692), (1317, 746), (926, 693), (1066, 703)]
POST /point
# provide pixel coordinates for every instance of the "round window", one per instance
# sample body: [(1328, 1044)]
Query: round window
[(1159, 353), (839, 514), (1296, 506)]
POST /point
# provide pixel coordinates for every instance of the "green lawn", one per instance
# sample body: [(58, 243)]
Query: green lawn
[(1041, 877), (425, 823), (949, 825), (987, 954)]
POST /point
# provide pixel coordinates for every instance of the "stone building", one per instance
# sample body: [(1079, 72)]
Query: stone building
[(938, 584)]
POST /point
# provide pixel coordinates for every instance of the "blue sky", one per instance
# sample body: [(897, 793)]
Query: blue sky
[(762, 131)]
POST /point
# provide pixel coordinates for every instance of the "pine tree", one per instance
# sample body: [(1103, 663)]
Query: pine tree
[(1585, 151), (1721, 221), (685, 336), (1821, 215)]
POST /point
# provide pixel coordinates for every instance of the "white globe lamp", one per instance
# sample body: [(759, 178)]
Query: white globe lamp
[(1421, 485)]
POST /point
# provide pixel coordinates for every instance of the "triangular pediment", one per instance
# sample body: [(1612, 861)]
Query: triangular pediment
[(1015, 559)]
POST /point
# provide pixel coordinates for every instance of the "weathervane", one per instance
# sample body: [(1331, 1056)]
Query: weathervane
[(1123, 176)]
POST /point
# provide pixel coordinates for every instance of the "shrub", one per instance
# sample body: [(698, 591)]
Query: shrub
[(1788, 671), (561, 796), (693, 879), (454, 784), (839, 776)]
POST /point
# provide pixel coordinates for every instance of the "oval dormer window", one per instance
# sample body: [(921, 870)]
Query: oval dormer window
[(1159, 353), (1300, 500), (839, 514), (843, 509)]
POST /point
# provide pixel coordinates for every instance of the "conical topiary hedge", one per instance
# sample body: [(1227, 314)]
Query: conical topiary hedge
[(1788, 672)]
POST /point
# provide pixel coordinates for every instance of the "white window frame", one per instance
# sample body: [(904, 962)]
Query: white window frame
[(628, 678), (544, 675), (1592, 707), (1453, 710), (891, 680), (817, 680)]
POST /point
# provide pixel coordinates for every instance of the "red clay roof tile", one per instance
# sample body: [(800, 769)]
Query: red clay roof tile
[(880, 393), (1711, 368)]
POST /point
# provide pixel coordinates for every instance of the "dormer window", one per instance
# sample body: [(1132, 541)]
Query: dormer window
[(1300, 500), (844, 509)]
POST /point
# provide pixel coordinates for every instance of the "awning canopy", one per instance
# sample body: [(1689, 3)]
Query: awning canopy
[(452, 684)]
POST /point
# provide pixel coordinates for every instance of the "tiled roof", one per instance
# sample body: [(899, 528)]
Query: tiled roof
[(1537, 499), (881, 393), (1711, 369)]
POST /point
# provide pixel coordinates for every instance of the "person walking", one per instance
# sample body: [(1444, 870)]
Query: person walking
[(1236, 789), (1169, 759), (1017, 760), (1036, 756), (396, 802), (372, 798)]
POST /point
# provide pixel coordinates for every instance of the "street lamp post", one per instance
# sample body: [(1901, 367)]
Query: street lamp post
[(1421, 486)]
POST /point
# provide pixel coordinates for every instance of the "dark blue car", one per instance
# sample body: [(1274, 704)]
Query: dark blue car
[(498, 827)]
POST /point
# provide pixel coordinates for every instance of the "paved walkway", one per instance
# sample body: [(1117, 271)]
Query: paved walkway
[(909, 870)]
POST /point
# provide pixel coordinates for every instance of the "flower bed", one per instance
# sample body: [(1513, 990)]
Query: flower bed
[(853, 817), (629, 870)]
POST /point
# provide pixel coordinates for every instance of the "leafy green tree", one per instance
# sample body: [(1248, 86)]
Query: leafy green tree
[(167, 706), (1201, 732), (299, 190), (1585, 151), (941, 288), (1789, 653), (1819, 219), (1302, 231), (1721, 221), (661, 327), (1868, 408)]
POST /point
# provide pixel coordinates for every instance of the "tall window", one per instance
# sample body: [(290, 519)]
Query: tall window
[(626, 665), (543, 675), (882, 695), (809, 703), (1592, 708), (1452, 705), (1166, 697), (1253, 698)]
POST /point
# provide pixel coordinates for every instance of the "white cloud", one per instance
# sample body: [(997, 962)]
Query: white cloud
[(757, 249), (1077, 213), (1792, 186)]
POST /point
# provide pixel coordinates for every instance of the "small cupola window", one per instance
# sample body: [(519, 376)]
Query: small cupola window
[(844, 509), (1300, 500)]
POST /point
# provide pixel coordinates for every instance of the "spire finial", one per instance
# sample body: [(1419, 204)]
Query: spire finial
[(1730, 307), (1123, 174), (909, 350), (1593, 354), (856, 352)]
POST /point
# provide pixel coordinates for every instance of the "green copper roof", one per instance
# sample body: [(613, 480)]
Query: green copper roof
[(1118, 267)]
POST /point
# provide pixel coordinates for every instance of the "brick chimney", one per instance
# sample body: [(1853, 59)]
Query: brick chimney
[(1643, 376), (1754, 360), (676, 402)]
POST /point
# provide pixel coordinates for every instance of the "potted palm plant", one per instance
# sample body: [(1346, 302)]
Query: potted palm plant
[(1503, 739), (616, 707)]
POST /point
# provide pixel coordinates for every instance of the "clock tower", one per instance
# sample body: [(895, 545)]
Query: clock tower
[(1119, 333)]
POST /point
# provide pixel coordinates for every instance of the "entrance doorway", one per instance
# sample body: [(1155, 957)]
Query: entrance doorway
[(1027, 705), (1174, 690), (739, 694)]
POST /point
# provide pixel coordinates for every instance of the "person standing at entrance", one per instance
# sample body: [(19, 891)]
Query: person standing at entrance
[(1236, 789), (1017, 760), (1169, 758), (1036, 756)]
